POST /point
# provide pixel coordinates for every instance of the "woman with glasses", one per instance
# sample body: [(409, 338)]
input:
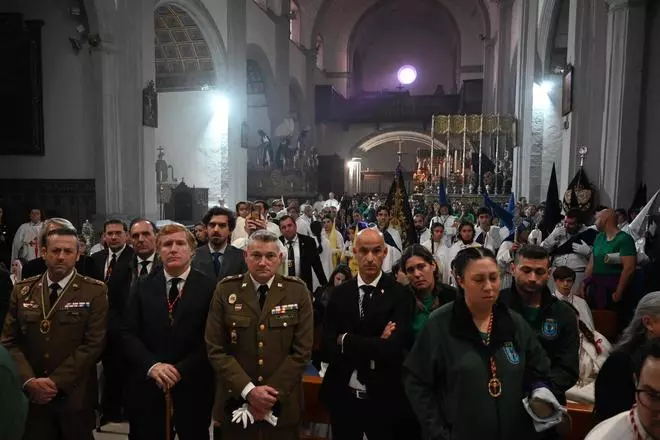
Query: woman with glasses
[(475, 361), (615, 385), (421, 270)]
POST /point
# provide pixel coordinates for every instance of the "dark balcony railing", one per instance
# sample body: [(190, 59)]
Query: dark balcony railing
[(331, 106)]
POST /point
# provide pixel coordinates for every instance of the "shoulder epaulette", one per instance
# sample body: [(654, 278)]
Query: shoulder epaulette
[(231, 278), (296, 279), (93, 281), (28, 280)]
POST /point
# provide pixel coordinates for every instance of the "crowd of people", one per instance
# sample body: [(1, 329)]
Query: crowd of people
[(470, 329)]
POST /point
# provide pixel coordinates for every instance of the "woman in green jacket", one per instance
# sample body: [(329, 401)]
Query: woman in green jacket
[(421, 270), (475, 361)]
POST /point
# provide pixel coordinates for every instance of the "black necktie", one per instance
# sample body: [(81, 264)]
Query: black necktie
[(365, 299), (291, 260), (216, 262), (53, 294), (263, 292), (174, 290), (144, 265), (111, 267)]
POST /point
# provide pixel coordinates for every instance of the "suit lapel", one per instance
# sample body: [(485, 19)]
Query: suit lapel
[(159, 297), (353, 301)]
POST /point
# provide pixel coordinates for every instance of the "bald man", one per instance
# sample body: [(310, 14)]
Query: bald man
[(611, 268), (366, 329)]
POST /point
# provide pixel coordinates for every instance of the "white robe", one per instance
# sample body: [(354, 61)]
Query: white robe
[(26, 242), (504, 260), (590, 364), (392, 257), (448, 222), (326, 261), (441, 256), (617, 428), (581, 306), (303, 226)]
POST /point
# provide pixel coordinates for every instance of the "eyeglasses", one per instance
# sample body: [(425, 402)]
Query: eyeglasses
[(648, 398)]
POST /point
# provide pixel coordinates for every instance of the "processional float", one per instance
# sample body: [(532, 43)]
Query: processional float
[(469, 154)]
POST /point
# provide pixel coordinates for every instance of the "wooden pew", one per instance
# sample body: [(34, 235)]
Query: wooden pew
[(583, 419), (606, 323)]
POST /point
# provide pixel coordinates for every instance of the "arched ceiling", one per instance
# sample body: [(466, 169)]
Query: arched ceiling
[(336, 20), (183, 57)]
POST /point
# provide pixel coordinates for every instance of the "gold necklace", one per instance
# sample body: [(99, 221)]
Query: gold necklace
[(494, 384), (44, 325)]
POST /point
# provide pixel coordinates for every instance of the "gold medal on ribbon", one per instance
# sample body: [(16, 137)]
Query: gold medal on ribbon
[(44, 326), (494, 387)]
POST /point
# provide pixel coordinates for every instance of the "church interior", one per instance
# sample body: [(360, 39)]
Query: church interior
[(162, 109)]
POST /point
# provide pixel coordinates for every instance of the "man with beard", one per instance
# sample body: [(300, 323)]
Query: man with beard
[(552, 319), (569, 244), (423, 233), (219, 259)]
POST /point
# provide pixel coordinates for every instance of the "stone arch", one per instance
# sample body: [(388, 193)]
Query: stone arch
[(546, 29), (378, 138), (255, 53), (210, 32)]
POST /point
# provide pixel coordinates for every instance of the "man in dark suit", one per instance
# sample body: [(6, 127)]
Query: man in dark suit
[(163, 341), (367, 325), (219, 259), (142, 234), (113, 266), (302, 254), (85, 264)]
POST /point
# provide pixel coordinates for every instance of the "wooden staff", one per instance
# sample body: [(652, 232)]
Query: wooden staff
[(168, 415)]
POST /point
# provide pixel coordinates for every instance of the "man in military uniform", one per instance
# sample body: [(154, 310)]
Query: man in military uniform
[(55, 331), (259, 336)]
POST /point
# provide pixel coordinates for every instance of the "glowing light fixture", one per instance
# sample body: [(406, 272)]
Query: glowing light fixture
[(407, 74)]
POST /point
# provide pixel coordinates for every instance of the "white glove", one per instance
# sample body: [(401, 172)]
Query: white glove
[(243, 415), (542, 424), (582, 248), (535, 237), (270, 418)]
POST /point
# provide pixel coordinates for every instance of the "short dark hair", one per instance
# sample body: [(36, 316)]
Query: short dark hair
[(650, 349), (219, 210), (532, 252), (437, 225), (238, 205), (260, 202), (574, 213), (483, 210), (62, 232), (465, 223), (383, 208), (468, 255), (114, 221), (397, 267), (563, 273), (286, 217), (141, 219)]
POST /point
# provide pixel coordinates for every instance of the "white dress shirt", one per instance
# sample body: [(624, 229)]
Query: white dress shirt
[(109, 259), (618, 428), (250, 386), (296, 254), (149, 260), (303, 226), (62, 283), (353, 382)]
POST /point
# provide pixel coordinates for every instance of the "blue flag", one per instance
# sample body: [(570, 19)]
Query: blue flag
[(499, 212), (442, 195), (511, 205)]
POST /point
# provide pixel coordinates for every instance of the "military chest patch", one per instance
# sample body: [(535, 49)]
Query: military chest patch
[(232, 298), (238, 307), (30, 305), (284, 309), (511, 354), (550, 328), (76, 305)]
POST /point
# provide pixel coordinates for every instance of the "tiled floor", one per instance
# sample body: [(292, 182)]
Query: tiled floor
[(113, 431)]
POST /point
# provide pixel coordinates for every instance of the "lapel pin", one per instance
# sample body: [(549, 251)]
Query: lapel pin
[(244, 285), (75, 286), (232, 298), (279, 285), (25, 290), (382, 291)]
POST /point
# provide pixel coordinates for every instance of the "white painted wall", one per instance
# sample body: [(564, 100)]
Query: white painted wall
[(548, 133), (194, 135), (218, 10), (70, 129)]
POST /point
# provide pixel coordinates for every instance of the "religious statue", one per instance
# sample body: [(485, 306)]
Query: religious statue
[(284, 156), (419, 178), (266, 149), (87, 231), (161, 167)]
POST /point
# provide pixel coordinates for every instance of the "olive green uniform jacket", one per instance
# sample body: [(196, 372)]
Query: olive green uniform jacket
[(447, 372), (264, 347)]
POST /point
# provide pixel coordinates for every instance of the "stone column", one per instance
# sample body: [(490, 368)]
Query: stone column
[(503, 76), (148, 156), (235, 174), (489, 74), (623, 78), (587, 31), (282, 73), (527, 156)]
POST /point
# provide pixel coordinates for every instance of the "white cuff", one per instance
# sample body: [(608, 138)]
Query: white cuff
[(342, 342), (28, 381), (151, 368), (249, 387)]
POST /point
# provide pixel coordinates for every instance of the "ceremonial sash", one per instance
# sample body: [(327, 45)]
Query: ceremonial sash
[(588, 236), (389, 240)]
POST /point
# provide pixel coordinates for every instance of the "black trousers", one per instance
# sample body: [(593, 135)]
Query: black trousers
[(191, 417), (352, 418), (48, 422)]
